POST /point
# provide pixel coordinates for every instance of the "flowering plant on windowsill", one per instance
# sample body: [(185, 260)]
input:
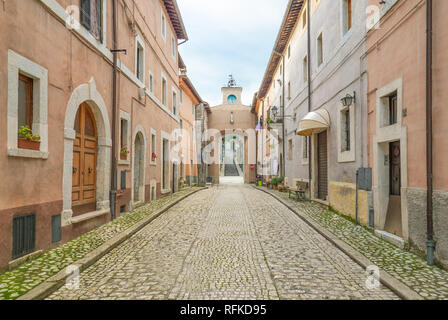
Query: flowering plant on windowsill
[(124, 153), (154, 156), (26, 139)]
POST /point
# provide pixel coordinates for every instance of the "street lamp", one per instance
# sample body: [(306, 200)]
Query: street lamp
[(275, 114), (348, 100)]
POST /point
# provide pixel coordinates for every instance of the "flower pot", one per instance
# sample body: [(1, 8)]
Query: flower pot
[(123, 156), (153, 158), (28, 144), (275, 187)]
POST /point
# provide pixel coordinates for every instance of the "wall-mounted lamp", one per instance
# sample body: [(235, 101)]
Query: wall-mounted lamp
[(348, 100)]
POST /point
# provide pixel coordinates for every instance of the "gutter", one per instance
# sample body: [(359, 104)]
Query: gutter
[(430, 243)]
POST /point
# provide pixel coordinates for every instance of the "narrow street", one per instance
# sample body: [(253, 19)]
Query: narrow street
[(226, 242)]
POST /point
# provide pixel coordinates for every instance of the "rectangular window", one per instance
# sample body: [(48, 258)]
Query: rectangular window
[(153, 143), (289, 52), (91, 17), (181, 124), (345, 132), (124, 132), (140, 62), (320, 50), (192, 108), (173, 47), (304, 17), (305, 69), (181, 96), (393, 113), (289, 90), (25, 102), (163, 27), (151, 83), (174, 103), (164, 91), (290, 150), (347, 15), (305, 148)]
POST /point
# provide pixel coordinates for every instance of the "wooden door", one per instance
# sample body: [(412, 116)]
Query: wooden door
[(84, 162), (322, 166), (395, 168)]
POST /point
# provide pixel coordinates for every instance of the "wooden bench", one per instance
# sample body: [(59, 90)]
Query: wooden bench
[(299, 190)]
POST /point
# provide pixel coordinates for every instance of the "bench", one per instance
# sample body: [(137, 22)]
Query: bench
[(299, 190)]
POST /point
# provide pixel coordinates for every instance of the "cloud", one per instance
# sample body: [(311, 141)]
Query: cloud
[(233, 36)]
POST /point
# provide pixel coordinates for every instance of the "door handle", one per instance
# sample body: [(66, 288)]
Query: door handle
[(90, 170), (74, 170)]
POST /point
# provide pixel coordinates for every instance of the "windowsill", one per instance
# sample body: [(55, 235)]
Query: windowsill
[(26, 153), (166, 191), (346, 156), (124, 162), (153, 163)]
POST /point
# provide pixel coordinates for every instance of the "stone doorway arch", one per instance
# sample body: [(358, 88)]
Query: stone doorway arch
[(138, 166), (87, 93)]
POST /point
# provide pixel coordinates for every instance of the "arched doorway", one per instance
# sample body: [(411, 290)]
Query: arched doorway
[(232, 159), (85, 151), (139, 172)]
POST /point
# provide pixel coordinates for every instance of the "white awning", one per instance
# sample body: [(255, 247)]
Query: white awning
[(314, 122)]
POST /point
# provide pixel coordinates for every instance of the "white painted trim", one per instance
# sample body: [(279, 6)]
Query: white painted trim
[(139, 42), (19, 64), (89, 94), (141, 198)]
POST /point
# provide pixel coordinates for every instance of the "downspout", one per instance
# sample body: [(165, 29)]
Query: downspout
[(113, 189), (430, 243), (309, 91)]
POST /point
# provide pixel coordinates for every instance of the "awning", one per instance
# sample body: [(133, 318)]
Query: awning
[(314, 122)]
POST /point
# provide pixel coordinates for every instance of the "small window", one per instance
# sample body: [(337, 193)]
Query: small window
[(163, 26), (151, 83), (153, 143), (25, 103), (345, 132), (140, 62), (305, 148), (124, 132), (281, 68), (290, 151), (173, 47), (174, 103), (181, 124), (393, 113), (346, 15), (181, 96), (192, 108), (289, 90), (305, 69), (23, 235), (164, 91), (320, 50), (289, 52), (92, 17)]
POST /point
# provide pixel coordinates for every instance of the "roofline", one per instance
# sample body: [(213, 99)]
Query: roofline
[(176, 19), (191, 86), (287, 28)]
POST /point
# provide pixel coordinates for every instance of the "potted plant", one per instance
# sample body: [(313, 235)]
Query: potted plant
[(280, 181), (153, 156), (124, 153), (26, 139), (274, 183)]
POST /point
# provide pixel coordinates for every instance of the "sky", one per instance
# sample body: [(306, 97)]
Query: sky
[(229, 37)]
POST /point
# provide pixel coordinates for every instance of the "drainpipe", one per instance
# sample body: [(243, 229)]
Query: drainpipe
[(284, 120), (113, 189), (308, 7), (430, 243)]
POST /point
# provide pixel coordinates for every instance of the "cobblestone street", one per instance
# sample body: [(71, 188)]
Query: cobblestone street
[(226, 242)]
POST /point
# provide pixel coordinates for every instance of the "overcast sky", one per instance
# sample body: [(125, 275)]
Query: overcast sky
[(229, 37)]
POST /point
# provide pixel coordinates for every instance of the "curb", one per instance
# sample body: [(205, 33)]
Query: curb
[(399, 288), (55, 282)]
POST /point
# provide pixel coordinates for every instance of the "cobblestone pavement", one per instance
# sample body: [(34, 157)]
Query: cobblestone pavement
[(431, 282), (227, 242), (19, 281)]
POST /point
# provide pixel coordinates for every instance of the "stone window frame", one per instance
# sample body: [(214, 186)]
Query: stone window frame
[(151, 82), (139, 42), (320, 52), (18, 64), (162, 96), (382, 112), (163, 25), (152, 146), (125, 116), (346, 155), (345, 31), (175, 101), (167, 137)]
